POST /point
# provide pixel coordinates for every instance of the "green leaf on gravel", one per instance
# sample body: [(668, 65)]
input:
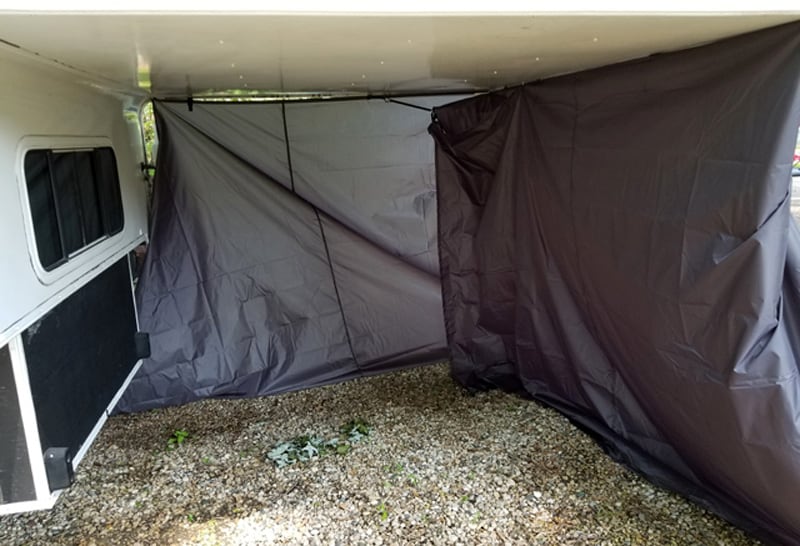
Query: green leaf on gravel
[(177, 439), (307, 447), (383, 511)]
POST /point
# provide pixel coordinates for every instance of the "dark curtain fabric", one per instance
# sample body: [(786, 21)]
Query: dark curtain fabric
[(274, 268), (618, 243)]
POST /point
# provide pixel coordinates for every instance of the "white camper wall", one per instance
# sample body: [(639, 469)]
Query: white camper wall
[(45, 105)]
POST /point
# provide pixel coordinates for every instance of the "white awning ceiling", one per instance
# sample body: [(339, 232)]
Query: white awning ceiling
[(176, 54)]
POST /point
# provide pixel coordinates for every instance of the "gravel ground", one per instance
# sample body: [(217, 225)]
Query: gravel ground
[(439, 467)]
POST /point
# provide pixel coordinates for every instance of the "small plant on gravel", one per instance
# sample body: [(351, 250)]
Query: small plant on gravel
[(304, 448), (299, 449), (177, 439), (383, 511), (356, 430), (396, 468), (398, 474)]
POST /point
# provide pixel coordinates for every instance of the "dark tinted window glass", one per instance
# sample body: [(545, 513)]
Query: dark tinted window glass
[(90, 207), (67, 201), (43, 209), (75, 200), (105, 168)]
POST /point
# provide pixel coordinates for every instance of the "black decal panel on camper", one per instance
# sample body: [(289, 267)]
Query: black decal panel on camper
[(79, 354), (16, 480)]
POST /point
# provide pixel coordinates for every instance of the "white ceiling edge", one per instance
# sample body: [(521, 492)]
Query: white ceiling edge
[(132, 96), (406, 7), (118, 50)]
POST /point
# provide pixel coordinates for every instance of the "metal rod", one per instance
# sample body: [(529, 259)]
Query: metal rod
[(408, 104), (314, 97)]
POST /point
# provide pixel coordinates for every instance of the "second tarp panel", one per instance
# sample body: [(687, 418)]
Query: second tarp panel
[(274, 268)]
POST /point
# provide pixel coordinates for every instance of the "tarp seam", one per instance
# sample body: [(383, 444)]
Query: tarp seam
[(286, 142), (336, 288), (322, 234)]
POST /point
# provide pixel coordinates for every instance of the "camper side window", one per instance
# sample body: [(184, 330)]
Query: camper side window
[(75, 201)]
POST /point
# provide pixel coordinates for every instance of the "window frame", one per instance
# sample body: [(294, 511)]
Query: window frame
[(88, 253)]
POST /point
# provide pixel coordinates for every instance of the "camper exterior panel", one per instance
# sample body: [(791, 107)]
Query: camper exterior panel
[(45, 106), (48, 108)]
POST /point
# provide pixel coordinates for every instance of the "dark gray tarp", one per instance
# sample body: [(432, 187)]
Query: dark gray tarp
[(273, 268), (619, 244)]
